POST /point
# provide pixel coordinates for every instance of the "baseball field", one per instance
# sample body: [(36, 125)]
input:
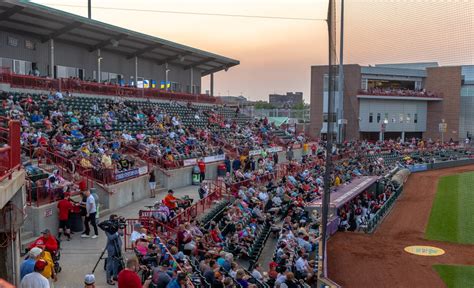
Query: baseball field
[(435, 209)]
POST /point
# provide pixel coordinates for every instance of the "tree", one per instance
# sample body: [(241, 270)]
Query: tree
[(263, 105)]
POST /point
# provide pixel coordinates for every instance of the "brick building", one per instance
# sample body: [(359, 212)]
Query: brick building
[(398, 100)]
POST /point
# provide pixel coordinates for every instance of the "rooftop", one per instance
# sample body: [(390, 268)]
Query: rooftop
[(44, 23)]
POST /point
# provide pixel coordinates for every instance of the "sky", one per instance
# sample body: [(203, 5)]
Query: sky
[(276, 55)]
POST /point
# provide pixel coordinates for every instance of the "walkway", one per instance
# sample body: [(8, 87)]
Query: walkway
[(79, 255)]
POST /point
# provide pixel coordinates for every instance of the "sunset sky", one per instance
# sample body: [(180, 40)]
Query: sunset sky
[(276, 55)]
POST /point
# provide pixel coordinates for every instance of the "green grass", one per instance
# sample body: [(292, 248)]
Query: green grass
[(456, 276), (452, 214)]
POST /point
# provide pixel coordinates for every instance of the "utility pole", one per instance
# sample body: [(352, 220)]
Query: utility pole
[(89, 9)]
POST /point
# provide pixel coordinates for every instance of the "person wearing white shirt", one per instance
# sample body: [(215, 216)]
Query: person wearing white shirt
[(136, 234), (35, 279), (301, 265), (256, 272), (263, 196)]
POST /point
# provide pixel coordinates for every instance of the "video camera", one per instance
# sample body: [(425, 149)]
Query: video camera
[(113, 225)]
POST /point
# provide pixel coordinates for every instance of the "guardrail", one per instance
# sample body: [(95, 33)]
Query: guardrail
[(11, 151), (378, 217), (79, 86)]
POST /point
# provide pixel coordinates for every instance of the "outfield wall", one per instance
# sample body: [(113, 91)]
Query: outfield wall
[(440, 165)]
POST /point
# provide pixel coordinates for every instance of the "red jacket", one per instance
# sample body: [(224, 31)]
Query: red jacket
[(202, 166), (50, 244)]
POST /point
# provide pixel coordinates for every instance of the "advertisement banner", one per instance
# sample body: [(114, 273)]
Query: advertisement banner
[(214, 158), (255, 152), (189, 162), (143, 170), (418, 167), (274, 149), (127, 174)]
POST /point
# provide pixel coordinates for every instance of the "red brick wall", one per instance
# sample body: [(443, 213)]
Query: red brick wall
[(351, 103), (445, 80)]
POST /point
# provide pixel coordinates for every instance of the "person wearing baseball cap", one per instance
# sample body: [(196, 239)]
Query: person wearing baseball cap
[(89, 281), (46, 242), (35, 279), (28, 265)]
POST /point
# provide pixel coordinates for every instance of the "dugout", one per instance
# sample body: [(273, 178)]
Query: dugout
[(342, 195)]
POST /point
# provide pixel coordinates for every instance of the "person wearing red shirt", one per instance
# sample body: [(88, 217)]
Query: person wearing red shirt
[(202, 170), (64, 207), (46, 242), (128, 277)]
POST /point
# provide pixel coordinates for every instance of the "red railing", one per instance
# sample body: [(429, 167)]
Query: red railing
[(151, 225), (79, 86), (11, 151)]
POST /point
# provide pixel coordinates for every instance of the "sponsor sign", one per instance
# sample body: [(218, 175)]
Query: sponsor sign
[(143, 170), (214, 158), (189, 162), (269, 150), (127, 174), (424, 250), (48, 212), (418, 167)]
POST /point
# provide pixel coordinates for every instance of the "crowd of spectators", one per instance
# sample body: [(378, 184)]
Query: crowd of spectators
[(388, 91)]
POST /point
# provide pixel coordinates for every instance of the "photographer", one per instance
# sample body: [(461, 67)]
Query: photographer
[(113, 230), (128, 277)]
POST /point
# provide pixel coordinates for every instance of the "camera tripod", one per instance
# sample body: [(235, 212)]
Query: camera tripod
[(117, 258)]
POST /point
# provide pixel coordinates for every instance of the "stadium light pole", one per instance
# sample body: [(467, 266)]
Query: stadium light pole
[(341, 121), (89, 9), (330, 131)]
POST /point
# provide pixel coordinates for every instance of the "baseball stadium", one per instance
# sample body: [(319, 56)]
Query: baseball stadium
[(118, 169)]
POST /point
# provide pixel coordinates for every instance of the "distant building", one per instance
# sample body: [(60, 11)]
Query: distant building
[(233, 100), (289, 100), (398, 100)]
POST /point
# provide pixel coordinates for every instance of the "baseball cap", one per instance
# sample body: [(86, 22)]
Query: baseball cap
[(45, 231), (40, 265), (35, 251), (89, 279), (137, 225)]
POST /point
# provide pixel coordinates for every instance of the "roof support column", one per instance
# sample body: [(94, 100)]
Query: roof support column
[(99, 70), (136, 71), (212, 84), (192, 80), (51, 58)]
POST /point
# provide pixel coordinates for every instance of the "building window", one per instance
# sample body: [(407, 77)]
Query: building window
[(371, 117), (401, 117), (378, 117), (363, 84), (29, 45), (394, 119), (408, 117), (12, 41), (326, 83), (415, 120), (385, 119)]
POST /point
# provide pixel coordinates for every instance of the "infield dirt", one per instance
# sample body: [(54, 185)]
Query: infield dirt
[(378, 259)]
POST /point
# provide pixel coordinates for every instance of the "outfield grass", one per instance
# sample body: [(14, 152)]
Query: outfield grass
[(452, 214), (456, 276)]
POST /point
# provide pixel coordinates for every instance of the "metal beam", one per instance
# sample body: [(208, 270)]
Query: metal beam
[(10, 12), (144, 50), (195, 64), (107, 42), (217, 69), (61, 31), (175, 57)]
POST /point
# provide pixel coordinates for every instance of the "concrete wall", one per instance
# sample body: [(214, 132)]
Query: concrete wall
[(8, 188), (182, 177), (116, 196)]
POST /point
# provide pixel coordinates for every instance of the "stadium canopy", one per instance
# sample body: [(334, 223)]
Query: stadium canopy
[(45, 23)]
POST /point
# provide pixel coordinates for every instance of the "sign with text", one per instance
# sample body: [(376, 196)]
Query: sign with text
[(127, 174), (189, 162), (214, 158)]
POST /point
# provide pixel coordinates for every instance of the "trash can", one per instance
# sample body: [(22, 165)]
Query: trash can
[(196, 175), (221, 170), (75, 220)]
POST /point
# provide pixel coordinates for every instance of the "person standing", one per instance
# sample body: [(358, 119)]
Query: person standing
[(35, 279), (28, 265), (152, 183), (90, 216), (290, 154), (202, 170), (64, 207), (114, 253), (128, 277)]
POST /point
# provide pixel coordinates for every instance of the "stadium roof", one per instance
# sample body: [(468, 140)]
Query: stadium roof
[(44, 23)]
